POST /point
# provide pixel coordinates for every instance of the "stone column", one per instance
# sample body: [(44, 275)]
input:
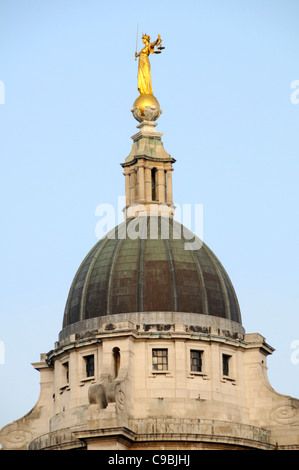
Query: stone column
[(161, 185), (141, 194), (148, 184), (128, 196), (133, 186), (169, 185)]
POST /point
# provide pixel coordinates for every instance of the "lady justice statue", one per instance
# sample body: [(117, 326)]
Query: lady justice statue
[(144, 67), (146, 98)]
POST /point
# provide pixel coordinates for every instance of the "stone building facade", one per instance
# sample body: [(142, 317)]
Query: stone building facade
[(152, 353)]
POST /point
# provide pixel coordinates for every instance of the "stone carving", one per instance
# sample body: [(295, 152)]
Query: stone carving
[(120, 398), (285, 414), (97, 392), (13, 437), (151, 113), (106, 391)]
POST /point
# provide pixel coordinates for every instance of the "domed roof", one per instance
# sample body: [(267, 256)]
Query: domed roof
[(147, 265)]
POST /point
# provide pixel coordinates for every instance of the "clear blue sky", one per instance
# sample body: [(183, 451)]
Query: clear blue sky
[(224, 84)]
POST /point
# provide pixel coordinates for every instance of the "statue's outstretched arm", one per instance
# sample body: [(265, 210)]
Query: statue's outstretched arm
[(156, 43)]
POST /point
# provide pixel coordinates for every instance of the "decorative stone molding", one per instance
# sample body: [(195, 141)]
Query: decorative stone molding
[(63, 439), (285, 414), (140, 433), (200, 430), (14, 437), (132, 323), (151, 113)]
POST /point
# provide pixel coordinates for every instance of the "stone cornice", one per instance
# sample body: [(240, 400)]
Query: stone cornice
[(147, 157)]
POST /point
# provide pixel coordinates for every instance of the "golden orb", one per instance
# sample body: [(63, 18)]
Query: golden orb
[(145, 100)]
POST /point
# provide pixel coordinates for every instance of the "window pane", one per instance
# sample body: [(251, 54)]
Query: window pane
[(89, 360), (160, 359), (196, 361), (225, 364), (66, 369)]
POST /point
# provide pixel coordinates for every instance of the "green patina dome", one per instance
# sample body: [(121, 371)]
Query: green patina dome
[(154, 272)]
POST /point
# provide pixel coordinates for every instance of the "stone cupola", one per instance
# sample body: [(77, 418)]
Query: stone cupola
[(148, 168)]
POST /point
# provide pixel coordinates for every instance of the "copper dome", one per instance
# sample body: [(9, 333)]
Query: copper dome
[(151, 272)]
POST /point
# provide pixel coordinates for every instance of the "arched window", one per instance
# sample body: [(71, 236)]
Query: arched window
[(116, 362)]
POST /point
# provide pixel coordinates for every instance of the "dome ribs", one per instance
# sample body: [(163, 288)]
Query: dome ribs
[(123, 289), (96, 289), (201, 285), (74, 301), (189, 283), (233, 304), (213, 284), (109, 278), (87, 279), (140, 293), (157, 280), (156, 271), (227, 311), (174, 282)]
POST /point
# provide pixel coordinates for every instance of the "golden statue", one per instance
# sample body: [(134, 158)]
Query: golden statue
[(144, 79), (144, 67)]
